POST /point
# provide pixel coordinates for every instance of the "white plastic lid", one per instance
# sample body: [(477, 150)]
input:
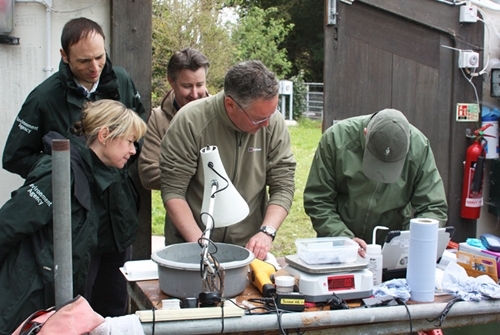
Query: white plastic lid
[(373, 249), (284, 281)]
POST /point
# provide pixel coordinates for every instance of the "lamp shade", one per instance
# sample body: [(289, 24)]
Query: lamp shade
[(229, 207)]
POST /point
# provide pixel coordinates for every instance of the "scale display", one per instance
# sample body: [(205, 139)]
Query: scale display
[(341, 282)]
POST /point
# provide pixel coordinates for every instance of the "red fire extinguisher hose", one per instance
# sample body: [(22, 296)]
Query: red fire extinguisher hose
[(477, 180)]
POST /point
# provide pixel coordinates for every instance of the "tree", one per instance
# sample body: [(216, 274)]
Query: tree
[(178, 24), (259, 36), (305, 42)]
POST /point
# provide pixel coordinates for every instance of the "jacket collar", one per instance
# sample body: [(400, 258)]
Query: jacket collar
[(220, 111), (107, 88), (362, 136), (167, 105), (104, 175), (78, 165)]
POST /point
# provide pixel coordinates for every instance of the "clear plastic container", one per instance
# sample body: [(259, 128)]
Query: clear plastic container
[(284, 284), (327, 250)]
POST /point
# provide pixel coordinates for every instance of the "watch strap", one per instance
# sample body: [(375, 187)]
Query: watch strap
[(268, 230)]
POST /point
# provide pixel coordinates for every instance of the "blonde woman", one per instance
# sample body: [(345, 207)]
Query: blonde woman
[(104, 215)]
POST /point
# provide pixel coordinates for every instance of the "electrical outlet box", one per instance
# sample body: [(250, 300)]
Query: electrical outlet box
[(468, 59), (468, 13)]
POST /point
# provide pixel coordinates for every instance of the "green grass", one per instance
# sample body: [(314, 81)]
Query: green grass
[(305, 137)]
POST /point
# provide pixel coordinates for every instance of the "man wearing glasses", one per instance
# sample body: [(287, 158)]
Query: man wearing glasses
[(254, 145)]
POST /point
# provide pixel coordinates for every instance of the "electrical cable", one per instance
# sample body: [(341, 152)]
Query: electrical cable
[(488, 23), (453, 3), (483, 71), (438, 321), (473, 86), (201, 218), (401, 301), (279, 313), (154, 323), (269, 305), (222, 316), (337, 302), (211, 166), (211, 271)]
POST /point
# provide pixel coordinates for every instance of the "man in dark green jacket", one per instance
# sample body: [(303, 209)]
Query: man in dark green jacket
[(372, 170), (85, 74), (56, 103)]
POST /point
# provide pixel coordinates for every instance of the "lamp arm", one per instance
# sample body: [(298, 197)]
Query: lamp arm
[(210, 220)]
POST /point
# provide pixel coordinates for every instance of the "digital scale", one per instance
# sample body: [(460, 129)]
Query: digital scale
[(317, 282)]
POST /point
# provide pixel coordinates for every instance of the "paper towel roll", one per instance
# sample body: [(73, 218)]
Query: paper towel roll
[(421, 271)]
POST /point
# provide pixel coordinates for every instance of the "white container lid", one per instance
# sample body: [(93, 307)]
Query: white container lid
[(284, 281)]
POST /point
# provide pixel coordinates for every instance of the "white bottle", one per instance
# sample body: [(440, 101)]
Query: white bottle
[(374, 257)]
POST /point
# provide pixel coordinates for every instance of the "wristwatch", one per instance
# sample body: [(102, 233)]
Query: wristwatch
[(271, 231)]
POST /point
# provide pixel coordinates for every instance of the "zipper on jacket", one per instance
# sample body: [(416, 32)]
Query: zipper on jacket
[(370, 207), (241, 137), (239, 140)]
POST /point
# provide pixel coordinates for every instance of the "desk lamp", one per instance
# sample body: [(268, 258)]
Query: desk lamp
[(222, 206)]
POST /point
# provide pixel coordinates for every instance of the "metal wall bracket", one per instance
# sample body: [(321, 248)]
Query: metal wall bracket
[(331, 11)]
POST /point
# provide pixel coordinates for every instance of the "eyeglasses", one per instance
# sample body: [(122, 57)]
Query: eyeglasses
[(250, 118)]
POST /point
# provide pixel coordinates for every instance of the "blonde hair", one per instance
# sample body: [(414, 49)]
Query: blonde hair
[(120, 121)]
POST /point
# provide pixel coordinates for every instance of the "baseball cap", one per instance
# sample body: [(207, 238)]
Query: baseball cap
[(386, 146)]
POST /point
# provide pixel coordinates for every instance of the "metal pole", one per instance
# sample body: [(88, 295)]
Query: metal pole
[(61, 189), (379, 320)]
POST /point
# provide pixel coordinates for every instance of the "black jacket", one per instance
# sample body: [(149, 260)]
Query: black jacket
[(103, 218), (55, 105)]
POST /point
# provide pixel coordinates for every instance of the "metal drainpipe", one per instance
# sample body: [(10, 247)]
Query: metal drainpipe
[(48, 43), (61, 189), (379, 320), (48, 69)]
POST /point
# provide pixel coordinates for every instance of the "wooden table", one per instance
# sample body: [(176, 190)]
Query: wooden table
[(379, 320), (147, 294)]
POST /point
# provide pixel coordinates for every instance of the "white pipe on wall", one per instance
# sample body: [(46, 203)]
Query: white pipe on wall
[(48, 29), (48, 32)]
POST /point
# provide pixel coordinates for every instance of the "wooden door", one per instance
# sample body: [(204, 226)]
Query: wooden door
[(131, 26), (401, 54)]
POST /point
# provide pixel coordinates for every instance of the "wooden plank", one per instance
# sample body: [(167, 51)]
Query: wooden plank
[(131, 31), (229, 310), (380, 31), (446, 21)]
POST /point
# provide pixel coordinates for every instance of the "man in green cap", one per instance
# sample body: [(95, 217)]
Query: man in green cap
[(373, 170)]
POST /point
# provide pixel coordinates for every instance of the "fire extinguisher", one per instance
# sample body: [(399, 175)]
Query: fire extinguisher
[(472, 190)]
